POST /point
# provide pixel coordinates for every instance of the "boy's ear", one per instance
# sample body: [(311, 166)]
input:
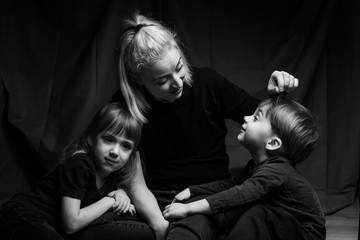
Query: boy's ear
[(273, 143)]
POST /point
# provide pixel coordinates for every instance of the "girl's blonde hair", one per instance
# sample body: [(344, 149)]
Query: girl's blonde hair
[(141, 43), (115, 119)]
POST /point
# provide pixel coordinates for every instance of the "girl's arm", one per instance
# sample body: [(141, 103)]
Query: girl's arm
[(74, 218), (146, 204)]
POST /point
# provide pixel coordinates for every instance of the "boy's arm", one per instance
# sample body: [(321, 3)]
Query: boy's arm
[(146, 204), (181, 210), (265, 180), (217, 186), (73, 218)]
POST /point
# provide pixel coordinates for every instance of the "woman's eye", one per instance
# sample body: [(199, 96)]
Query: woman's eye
[(179, 68), (162, 81)]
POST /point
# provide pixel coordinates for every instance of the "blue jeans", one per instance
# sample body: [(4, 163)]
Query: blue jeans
[(262, 222), (110, 226), (115, 227), (19, 223)]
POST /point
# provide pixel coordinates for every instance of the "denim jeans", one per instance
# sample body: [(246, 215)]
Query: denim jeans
[(115, 227), (263, 222), (19, 223)]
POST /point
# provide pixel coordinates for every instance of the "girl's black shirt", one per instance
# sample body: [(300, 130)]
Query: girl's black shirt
[(75, 178)]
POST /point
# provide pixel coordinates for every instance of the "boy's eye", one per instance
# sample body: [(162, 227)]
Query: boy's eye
[(256, 118)]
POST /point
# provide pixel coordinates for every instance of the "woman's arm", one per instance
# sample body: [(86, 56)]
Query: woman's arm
[(146, 204), (74, 218)]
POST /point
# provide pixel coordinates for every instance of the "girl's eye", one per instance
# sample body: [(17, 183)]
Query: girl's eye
[(127, 146), (108, 139)]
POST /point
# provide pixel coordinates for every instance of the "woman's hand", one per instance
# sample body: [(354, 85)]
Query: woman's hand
[(122, 202), (281, 81)]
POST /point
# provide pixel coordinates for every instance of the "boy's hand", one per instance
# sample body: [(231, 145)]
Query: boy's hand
[(122, 201), (281, 81), (175, 211), (183, 195)]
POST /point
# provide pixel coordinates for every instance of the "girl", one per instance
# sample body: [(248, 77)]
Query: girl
[(79, 189)]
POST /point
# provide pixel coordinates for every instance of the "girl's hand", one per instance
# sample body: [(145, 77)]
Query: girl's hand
[(183, 195), (122, 201), (176, 211), (281, 81), (132, 210)]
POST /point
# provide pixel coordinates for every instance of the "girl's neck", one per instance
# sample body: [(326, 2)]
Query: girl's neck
[(100, 180)]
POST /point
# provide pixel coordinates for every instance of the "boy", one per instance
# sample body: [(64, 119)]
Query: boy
[(270, 199)]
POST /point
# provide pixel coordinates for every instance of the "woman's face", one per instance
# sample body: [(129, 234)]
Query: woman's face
[(164, 78)]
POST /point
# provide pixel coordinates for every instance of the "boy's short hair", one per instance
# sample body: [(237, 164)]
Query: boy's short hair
[(295, 125)]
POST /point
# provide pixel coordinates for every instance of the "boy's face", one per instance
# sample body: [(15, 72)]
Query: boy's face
[(256, 130)]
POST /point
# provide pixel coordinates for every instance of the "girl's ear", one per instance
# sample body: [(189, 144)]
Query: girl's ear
[(89, 141), (273, 143)]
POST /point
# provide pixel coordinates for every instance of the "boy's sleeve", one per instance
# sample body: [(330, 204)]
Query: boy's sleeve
[(264, 181), (216, 186)]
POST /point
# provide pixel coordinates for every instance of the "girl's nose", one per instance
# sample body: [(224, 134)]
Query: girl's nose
[(114, 152)]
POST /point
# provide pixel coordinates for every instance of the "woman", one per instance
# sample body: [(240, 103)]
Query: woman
[(184, 110)]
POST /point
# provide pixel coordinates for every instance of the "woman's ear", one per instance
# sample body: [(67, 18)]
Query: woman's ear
[(273, 143)]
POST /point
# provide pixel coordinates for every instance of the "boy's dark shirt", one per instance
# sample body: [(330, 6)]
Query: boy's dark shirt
[(184, 141), (273, 182)]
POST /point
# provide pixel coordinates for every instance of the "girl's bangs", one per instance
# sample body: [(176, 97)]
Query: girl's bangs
[(125, 127)]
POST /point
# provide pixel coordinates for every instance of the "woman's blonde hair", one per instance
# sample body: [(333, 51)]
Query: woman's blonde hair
[(141, 43)]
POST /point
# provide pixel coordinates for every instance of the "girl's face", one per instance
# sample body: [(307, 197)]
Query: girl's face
[(256, 131), (111, 152), (164, 78)]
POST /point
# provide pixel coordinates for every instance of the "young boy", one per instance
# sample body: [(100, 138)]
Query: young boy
[(270, 199)]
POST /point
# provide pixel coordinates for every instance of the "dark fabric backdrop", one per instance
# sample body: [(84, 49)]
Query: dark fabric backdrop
[(57, 67)]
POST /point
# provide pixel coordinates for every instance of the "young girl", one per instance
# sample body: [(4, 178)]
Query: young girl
[(79, 189)]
